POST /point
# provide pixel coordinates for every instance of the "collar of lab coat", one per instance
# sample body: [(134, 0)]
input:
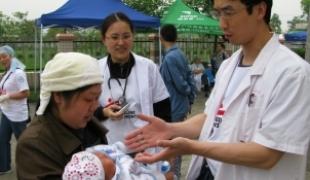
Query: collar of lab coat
[(257, 69)]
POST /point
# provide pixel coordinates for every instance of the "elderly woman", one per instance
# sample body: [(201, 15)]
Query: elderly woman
[(64, 125), (14, 91)]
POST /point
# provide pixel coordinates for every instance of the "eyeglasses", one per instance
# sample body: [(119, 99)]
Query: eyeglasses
[(225, 12), (117, 37)]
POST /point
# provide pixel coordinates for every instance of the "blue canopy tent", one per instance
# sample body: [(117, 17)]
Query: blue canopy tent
[(84, 13), (296, 36)]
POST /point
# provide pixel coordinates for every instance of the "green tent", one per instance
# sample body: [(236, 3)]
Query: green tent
[(188, 20)]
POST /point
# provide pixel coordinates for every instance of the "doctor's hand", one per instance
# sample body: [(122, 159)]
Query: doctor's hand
[(112, 112), (4, 97), (172, 148), (148, 135)]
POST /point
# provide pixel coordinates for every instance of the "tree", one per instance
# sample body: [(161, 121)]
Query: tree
[(305, 4), (275, 23), (296, 20), (150, 7), (158, 7), (23, 28), (16, 27)]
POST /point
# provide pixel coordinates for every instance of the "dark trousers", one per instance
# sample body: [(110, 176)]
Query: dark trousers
[(7, 127), (205, 172)]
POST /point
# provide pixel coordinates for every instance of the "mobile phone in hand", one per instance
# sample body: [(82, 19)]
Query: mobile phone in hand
[(124, 108)]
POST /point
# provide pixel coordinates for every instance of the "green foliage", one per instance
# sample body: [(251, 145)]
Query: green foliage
[(150, 7), (296, 20), (51, 33), (158, 7), (34, 96), (16, 27), (275, 23), (300, 52), (305, 4)]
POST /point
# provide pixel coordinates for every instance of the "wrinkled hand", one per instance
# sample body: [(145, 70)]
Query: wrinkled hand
[(172, 148), (4, 98), (148, 135), (112, 112)]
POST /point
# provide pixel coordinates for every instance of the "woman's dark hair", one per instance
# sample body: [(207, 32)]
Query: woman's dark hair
[(169, 33), (111, 19), (67, 95)]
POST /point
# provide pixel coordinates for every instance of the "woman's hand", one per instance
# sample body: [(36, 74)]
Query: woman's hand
[(113, 112), (148, 135)]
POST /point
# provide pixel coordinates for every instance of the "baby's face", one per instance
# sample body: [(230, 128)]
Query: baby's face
[(107, 164)]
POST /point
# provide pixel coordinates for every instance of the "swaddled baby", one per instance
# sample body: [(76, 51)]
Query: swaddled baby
[(102, 162)]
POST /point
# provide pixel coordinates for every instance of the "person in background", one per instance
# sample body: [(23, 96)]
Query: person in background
[(128, 79), (197, 69), (219, 57), (178, 80), (14, 90), (255, 124), (64, 125), (208, 80)]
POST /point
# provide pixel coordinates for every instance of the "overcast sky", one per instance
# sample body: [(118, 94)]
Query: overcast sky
[(286, 9)]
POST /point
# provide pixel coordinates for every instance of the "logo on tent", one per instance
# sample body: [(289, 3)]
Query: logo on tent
[(187, 12)]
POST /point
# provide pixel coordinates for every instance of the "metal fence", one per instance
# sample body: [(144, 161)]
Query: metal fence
[(28, 51)]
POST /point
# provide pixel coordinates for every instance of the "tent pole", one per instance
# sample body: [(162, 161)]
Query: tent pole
[(35, 59), (41, 48), (160, 55)]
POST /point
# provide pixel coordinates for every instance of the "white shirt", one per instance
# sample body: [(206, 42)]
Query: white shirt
[(270, 107), (15, 109), (144, 88)]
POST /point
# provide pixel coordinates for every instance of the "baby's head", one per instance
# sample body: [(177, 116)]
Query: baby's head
[(92, 166)]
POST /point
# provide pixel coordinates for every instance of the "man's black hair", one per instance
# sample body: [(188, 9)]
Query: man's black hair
[(169, 33), (251, 3)]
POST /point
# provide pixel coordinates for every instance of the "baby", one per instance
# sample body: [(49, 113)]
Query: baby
[(105, 162)]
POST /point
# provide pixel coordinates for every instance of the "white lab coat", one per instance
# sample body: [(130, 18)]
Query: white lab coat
[(278, 117), (144, 88)]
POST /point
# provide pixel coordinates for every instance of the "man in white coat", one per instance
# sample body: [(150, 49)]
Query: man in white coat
[(256, 123)]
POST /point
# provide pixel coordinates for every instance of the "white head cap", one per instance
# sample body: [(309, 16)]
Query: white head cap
[(65, 72)]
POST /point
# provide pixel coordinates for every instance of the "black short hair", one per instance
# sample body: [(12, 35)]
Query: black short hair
[(112, 18), (251, 3), (169, 33)]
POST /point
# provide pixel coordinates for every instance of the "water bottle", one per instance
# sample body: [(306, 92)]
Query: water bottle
[(165, 167)]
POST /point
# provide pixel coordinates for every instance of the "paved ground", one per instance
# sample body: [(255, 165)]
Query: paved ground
[(197, 108)]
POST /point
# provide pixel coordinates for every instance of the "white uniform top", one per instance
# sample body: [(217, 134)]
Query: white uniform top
[(144, 88), (15, 109), (277, 87)]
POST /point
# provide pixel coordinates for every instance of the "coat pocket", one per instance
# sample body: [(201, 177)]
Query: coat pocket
[(251, 117)]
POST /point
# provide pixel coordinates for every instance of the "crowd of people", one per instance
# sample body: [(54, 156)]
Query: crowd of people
[(121, 116)]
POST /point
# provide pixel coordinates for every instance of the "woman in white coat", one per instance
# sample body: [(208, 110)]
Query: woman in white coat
[(128, 79)]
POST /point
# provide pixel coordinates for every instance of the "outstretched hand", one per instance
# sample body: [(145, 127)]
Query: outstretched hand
[(172, 148), (148, 135)]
